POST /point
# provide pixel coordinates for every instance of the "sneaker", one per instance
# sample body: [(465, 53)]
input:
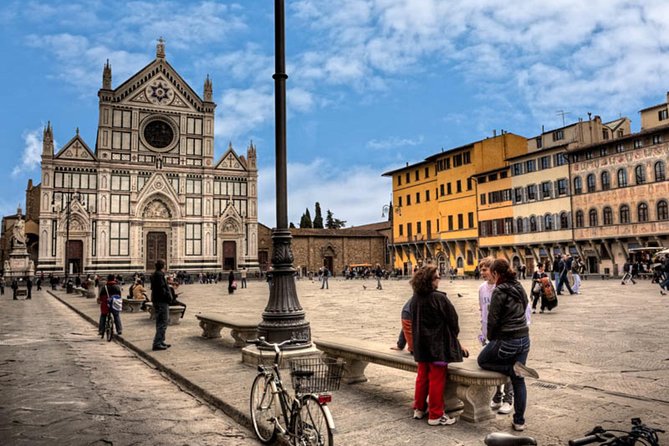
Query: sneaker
[(494, 405), (524, 371), (518, 427), (418, 414), (445, 420), (505, 409)]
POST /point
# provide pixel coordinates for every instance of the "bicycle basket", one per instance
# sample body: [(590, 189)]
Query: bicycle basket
[(326, 376)]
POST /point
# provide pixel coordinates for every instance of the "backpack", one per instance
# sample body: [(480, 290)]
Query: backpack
[(115, 301)]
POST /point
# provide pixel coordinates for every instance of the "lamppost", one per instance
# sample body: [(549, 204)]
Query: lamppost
[(388, 210), (283, 317)]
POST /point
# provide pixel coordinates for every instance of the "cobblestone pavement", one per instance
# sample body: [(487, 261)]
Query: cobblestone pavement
[(601, 355), (62, 385)]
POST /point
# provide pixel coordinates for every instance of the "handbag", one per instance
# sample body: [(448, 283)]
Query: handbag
[(234, 285)]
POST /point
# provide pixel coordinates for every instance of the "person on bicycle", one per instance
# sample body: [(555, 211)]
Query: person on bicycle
[(109, 293), (435, 332), (509, 336)]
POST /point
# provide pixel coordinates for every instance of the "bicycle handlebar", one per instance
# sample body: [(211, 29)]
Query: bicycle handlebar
[(585, 440), (275, 345)]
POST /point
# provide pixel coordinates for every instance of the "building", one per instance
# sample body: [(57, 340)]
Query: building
[(150, 189)]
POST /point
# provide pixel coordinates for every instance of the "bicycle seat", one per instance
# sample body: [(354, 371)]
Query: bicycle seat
[(302, 373), (503, 439)]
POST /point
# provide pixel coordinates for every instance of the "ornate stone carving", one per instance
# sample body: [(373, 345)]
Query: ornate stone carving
[(156, 209)]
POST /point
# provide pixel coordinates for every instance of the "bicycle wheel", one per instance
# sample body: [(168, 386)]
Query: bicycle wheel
[(109, 329), (264, 412), (311, 427)]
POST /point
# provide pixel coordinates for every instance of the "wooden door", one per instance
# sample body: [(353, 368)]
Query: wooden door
[(229, 255), (75, 256), (156, 248)]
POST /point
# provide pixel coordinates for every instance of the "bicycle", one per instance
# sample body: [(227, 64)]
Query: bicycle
[(640, 434), (109, 327), (306, 417)]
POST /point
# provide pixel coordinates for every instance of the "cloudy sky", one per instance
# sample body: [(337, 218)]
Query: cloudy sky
[(372, 84)]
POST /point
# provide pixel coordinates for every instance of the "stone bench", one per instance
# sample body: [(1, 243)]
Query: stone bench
[(88, 293), (133, 305), (240, 330), (175, 315), (468, 387)]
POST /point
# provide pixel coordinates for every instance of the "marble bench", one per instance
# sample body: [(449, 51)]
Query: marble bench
[(176, 313), (133, 305), (240, 329), (468, 387)]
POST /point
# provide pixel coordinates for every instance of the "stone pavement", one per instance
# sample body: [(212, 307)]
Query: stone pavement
[(602, 356)]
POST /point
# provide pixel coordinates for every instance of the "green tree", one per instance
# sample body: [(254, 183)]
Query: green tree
[(333, 223), (305, 221), (318, 217)]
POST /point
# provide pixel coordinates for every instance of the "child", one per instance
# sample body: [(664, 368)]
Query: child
[(110, 302)]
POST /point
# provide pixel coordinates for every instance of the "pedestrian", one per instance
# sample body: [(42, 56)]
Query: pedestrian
[(577, 268), (38, 282), (509, 336), (435, 330), (232, 285), (664, 282), (243, 275), (15, 287), (161, 297), (110, 301), (29, 285), (378, 272), (556, 269), (326, 275), (503, 398), (405, 338), (523, 270), (627, 270), (2, 286), (564, 267), (542, 288)]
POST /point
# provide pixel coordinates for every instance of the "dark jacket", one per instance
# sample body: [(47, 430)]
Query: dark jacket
[(160, 292), (506, 314), (435, 329)]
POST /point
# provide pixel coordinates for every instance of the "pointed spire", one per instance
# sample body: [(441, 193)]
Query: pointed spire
[(160, 48), (230, 146), (208, 89), (77, 131), (47, 140), (107, 76), (251, 155)]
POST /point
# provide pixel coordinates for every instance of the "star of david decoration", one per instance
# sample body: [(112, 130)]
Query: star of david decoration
[(159, 93)]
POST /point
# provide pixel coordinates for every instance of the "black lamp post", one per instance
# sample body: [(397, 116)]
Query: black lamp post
[(283, 317)]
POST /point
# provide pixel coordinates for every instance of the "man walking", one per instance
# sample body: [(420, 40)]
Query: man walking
[(161, 298), (326, 275), (243, 274), (564, 266)]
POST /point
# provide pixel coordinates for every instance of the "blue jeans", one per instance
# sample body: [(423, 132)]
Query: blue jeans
[(117, 322), (564, 281), (162, 311), (500, 356)]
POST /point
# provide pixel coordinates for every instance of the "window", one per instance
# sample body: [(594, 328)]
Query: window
[(470, 218), (409, 230), (408, 200), (608, 216), (483, 179), (399, 180), (492, 177), (193, 146), (605, 134), (482, 198), (548, 222), (564, 221), (121, 140), (545, 162), (457, 160), (427, 195), (121, 118), (450, 222), (419, 227), (657, 139), (194, 126), (562, 186), (174, 182), (592, 217), (638, 144), (519, 225), (539, 142), (578, 185), (530, 165), (560, 159), (467, 157), (532, 192), (662, 210), (624, 214), (193, 206), (461, 221), (620, 133), (94, 238), (193, 239), (417, 197), (119, 238), (579, 219), (504, 174), (441, 189), (408, 177), (642, 212), (606, 180), (533, 224), (659, 171), (416, 175), (119, 204), (640, 174), (603, 151), (469, 184), (546, 189), (448, 189), (591, 182), (458, 186), (120, 182), (428, 227), (662, 115), (558, 135), (622, 178), (194, 186), (518, 194), (401, 230), (427, 172), (516, 169), (620, 148)]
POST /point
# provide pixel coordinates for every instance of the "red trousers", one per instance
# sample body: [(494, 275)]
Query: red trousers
[(430, 382)]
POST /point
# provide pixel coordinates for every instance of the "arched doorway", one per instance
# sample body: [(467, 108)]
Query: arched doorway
[(156, 248), (75, 257), (229, 255)]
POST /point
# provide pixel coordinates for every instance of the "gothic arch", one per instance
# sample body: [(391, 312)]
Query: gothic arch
[(146, 204), (156, 208)]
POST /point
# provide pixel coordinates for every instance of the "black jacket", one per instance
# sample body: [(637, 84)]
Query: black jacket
[(160, 292), (435, 329), (506, 314)]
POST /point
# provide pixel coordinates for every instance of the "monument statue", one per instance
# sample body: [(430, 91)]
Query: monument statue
[(19, 232)]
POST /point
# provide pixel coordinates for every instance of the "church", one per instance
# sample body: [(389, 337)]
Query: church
[(151, 188)]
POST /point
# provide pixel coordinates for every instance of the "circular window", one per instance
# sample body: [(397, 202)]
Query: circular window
[(159, 134)]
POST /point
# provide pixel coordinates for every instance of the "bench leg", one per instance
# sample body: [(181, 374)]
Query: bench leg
[(174, 317), (152, 315), (354, 371), (210, 330), (476, 401), (451, 401), (240, 336)]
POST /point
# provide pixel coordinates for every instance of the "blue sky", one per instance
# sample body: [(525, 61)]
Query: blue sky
[(372, 83)]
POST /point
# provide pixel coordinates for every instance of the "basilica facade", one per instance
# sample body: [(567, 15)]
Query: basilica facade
[(150, 188)]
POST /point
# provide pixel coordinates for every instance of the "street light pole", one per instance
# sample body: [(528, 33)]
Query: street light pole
[(283, 317)]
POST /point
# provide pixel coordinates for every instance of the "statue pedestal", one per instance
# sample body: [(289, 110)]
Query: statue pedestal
[(19, 264)]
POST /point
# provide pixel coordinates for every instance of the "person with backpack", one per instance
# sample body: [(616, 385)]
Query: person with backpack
[(110, 301)]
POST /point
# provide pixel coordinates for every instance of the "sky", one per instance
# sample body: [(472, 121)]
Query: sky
[(373, 84)]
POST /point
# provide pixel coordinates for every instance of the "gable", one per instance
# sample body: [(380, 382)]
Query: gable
[(159, 91), (230, 161), (76, 149)]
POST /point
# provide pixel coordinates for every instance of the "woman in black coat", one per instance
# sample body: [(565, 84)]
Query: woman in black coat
[(435, 343), (231, 281)]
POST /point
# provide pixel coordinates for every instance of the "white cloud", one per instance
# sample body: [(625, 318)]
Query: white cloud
[(241, 110), (355, 194), (394, 142), (32, 153)]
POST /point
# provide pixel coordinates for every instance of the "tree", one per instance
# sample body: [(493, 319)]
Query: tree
[(333, 223), (292, 225), (305, 221), (318, 217)]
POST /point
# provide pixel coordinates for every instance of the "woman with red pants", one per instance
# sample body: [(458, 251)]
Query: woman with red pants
[(435, 344)]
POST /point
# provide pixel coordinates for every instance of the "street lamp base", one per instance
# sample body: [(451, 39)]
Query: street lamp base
[(253, 356)]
